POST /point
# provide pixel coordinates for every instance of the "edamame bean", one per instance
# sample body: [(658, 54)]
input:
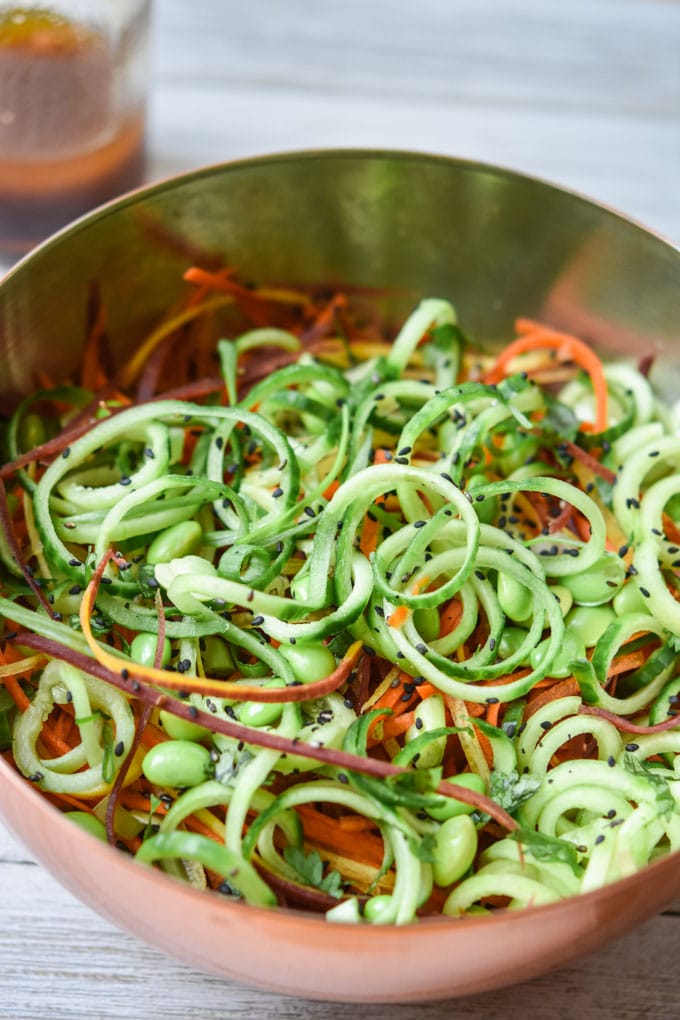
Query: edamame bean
[(599, 583), (309, 662), (260, 713), (178, 540), (143, 649), (379, 910), (89, 822), (487, 509), (572, 648), (426, 622), (515, 600), (511, 639), (563, 596), (451, 807), (178, 763), (588, 623), (629, 600), (430, 714), (454, 849), (346, 912), (182, 729)]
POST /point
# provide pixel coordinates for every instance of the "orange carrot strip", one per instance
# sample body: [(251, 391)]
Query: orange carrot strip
[(449, 617), (492, 713), (533, 336), (399, 617)]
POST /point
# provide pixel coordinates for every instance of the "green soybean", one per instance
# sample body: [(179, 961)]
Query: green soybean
[(572, 648), (599, 583), (178, 763), (629, 600), (588, 623), (515, 600), (176, 541), (182, 729), (143, 649), (90, 823), (430, 714), (454, 850), (426, 622), (563, 596), (309, 662), (261, 713), (379, 910), (487, 509), (451, 807), (511, 639)]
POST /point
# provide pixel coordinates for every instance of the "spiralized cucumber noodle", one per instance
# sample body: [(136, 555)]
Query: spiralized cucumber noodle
[(316, 610)]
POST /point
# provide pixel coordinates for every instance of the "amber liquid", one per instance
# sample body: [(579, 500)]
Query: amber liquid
[(64, 148)]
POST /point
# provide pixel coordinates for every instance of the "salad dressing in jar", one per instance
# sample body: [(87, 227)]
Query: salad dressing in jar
[(72, 84)]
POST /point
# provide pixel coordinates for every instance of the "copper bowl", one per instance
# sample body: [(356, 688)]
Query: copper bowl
[(499, 245)]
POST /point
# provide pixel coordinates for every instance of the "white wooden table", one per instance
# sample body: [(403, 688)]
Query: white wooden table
[(586, 94)]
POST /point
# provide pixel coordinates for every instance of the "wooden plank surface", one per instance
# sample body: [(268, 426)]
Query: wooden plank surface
[(586, 94)]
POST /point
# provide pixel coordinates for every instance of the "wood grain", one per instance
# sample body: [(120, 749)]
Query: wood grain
[(586, 94)]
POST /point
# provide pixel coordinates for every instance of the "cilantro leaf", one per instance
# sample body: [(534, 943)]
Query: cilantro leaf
[(310, 869), (510, 789), (664, 798), (547, 848)]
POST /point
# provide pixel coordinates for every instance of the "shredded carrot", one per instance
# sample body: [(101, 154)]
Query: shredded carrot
[(13, 688), (399, 617), (493, 713), (533, 336), (450, 617)]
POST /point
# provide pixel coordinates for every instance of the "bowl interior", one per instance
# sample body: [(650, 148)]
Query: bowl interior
[(494, 242)]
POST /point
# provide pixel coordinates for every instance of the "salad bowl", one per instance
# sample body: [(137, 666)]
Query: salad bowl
[(405, 226)]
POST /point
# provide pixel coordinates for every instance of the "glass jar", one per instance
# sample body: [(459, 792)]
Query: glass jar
[(72, 111)]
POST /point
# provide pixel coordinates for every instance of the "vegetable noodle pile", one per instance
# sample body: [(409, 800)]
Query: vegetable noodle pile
[(319, 612)]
